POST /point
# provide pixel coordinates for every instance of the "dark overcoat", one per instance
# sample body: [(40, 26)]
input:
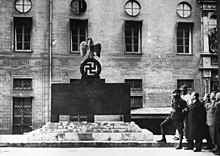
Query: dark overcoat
[(196, 121)]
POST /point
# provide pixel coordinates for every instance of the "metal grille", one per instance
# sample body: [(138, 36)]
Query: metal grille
[(22, 115), (22, 84), (136, 101), (188, 82), (135, 84)]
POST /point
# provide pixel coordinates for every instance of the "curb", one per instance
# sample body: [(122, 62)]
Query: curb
[(88, 144)]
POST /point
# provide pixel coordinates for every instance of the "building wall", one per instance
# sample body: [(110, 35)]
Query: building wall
[(159, 66), (24, 65)]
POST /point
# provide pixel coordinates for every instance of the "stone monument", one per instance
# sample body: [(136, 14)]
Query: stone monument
[(90, 96)]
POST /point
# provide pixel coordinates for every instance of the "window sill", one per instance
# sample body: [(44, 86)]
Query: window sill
[(74, 52), (184, 54), (23, 51), (132, 53)]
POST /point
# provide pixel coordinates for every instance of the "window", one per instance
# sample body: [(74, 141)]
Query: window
[(184, 38), (22, 84), (22, 34), (133, 37), (214, 60), (214, 80), (23, 6), (136, 98), (188, 82), (132, 8), (184, 9), (136, 101), (135, 84), (78, 6), (22, 115), (78, 33)]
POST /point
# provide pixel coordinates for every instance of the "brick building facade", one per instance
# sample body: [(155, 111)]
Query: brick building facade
[(155, 46)]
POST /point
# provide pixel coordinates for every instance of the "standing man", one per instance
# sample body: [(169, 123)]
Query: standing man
[(175, 117), (185, 96), (195, 123)]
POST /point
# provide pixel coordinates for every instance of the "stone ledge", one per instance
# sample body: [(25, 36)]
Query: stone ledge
[(83, 131)]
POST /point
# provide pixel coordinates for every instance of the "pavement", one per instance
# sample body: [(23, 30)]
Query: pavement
[(14, 151), (22, 141)]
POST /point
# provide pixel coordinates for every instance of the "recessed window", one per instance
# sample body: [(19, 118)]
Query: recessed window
[(22, 34), (135, 84), (184, 10), (133, 37), (184, 38), (78, 6), (22, 84), (78, 33), (132, 8), (23, 6), (188, 82)]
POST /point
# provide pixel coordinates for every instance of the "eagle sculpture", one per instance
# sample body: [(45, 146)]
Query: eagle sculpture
[(89, 49)]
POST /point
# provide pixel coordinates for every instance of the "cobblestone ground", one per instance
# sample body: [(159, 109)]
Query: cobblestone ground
[(9, 151)]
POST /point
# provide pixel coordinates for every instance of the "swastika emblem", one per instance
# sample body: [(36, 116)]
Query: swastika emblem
[(90, 68)]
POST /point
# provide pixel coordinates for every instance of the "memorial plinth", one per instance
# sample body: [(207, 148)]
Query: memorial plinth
[(84, 131), (90, 96)]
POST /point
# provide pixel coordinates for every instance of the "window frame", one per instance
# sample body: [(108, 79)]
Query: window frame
[(83, 22), (133, 24), (82, 2), (23, 5), (181, 82), (183, 4), (183, 26), (24, 27), (30, 88), (132, 82), (132, 8)]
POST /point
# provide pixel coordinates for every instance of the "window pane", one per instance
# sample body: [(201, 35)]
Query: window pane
[(136, 12), (128, 48), (186, 7), (136, 32), (186, 41), (74, 39), (180, 34), (128, 40), (135, 48), (19, 38), (74, 31), (179, 42), (27, 8), (82, 31), (186, 49), (27, 45), (19, 45), (180, 49), (135, 40), (74, 47), (127, 32), (19, 2), (82, 38), (187, 13), (135, 6), (180, 13)]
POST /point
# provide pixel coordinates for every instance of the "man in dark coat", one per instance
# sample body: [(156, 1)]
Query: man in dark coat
[(176, 117), (217, 124), (195, 123)]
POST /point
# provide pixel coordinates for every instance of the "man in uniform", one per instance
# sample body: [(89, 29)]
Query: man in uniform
[(187, 97), (176, 116)]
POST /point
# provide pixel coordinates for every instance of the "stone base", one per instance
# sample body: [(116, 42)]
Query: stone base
[(83, 131)]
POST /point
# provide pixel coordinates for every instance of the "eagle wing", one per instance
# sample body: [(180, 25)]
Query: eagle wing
[(83, 48), (97, 48)]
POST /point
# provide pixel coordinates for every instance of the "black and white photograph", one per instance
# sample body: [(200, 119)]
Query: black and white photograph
[(109, 77)]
